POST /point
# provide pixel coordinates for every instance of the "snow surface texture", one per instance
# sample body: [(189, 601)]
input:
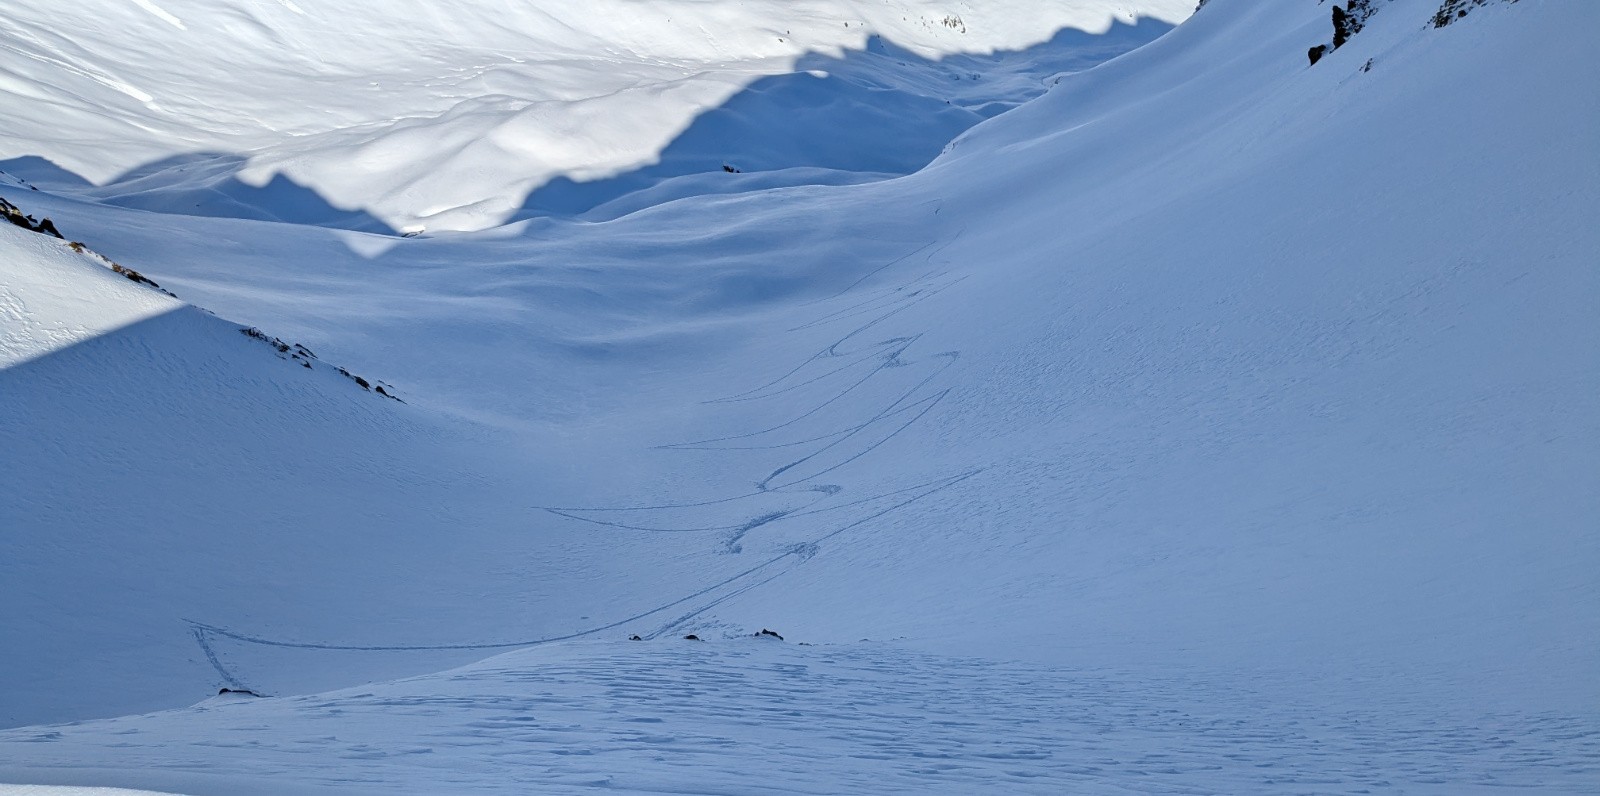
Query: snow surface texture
[(413, 113), (654, 718), (1208, 424), (69, 790), (52, 297)]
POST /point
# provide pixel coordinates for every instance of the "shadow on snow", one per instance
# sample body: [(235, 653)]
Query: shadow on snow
[(872, 114)]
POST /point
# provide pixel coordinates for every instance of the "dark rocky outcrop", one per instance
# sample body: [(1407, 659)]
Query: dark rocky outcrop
[(294, 352), (15, 215), (1453, 10), (1348, 20), (301, 355)]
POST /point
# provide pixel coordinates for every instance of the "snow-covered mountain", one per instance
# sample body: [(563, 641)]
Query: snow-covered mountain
[(420, 114), (1216, 421)]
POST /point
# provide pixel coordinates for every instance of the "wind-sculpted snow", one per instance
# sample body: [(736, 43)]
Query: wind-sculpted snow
[(52, 296), (759, 715), (70, 790), (421, 113)]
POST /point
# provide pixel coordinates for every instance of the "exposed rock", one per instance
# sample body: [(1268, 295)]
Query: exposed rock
[(15, 215), (298, 353), (1348, 20), (1453, 10)]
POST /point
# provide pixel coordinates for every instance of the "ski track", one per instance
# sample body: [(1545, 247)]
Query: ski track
[(1362, 654), (846, 445), (763, 716)]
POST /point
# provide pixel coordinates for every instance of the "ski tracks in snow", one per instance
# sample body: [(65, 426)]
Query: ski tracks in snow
[(855, 394)]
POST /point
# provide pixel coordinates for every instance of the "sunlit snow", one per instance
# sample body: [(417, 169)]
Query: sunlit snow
[(1139, 408)]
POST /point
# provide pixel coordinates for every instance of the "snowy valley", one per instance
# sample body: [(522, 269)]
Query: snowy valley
[(824, 397)]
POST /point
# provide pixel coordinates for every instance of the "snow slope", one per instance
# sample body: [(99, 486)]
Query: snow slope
[(68, 790), (421, 114), (1208, 415), (757, 715), (182, 460), (52, 297)]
